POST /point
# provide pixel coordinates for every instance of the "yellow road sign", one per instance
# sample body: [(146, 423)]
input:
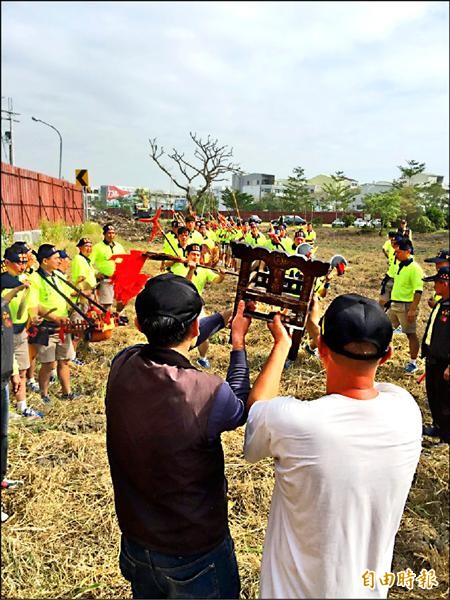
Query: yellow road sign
[(82, 178)]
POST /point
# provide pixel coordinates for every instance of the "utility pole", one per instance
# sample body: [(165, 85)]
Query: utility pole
[(8, 136)]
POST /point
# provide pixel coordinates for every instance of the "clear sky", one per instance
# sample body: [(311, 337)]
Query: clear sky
[(354, 86)]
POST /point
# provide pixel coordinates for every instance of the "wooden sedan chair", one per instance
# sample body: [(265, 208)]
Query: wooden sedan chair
[(275, 287)]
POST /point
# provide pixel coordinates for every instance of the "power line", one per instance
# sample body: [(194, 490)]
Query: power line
[(7, 138)]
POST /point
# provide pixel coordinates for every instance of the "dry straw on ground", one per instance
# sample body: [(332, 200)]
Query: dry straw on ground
[(62, 538)]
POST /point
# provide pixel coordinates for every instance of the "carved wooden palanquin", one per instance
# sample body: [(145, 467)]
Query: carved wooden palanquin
[(275, 287)]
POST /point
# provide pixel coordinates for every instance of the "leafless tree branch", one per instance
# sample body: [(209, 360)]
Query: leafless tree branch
[(213, 162)]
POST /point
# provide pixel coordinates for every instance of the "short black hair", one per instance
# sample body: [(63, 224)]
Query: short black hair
[(182, 229), (164, 332)]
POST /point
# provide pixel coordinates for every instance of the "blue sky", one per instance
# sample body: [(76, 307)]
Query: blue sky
[(354, 86)]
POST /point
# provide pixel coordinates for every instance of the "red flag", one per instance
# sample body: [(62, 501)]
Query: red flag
[(156, 225), (127, 279)]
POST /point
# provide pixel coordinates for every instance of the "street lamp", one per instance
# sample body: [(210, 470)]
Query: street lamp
[(60, 140)]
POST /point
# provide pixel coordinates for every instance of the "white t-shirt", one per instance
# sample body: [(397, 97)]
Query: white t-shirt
[(343, 470)]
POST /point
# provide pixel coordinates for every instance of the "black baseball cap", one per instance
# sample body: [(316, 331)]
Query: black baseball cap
[(84, 242), (169, 295), (46, 251), (405, 244), (16, 255), (442, 275), (108, 227), (355, 318), (442, 255), (193, 248), (63, 254)]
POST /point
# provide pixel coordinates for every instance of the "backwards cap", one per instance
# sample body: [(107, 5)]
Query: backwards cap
[(169, 295), (354, 318)]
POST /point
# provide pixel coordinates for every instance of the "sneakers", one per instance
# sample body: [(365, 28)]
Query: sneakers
[(46, 399), (77, 361), (122, 321), (30, 412), (288, 364), (203, 362), (398, 329), (69, 396), (410, 368), (432, 431), (8, 484), (33, 386)]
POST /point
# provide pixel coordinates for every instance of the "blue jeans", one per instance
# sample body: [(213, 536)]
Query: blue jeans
[(213, 574)]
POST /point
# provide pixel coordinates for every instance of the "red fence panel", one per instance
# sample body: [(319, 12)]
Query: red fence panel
[(27, 198)]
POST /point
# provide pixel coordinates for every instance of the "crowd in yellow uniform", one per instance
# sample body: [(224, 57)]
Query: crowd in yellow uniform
[(47, 291)]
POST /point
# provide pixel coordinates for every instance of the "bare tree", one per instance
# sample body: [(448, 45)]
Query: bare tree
[(210, 162)]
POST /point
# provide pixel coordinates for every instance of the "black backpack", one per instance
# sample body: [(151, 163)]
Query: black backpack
[(7, 343)]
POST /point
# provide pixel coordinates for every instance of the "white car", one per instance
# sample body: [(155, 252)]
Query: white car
[(360, 222)]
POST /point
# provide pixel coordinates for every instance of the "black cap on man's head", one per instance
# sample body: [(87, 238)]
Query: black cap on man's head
[(109, 227), (84, 242), (189, 219), (405, 244), (442, 256), (442, 275), (354, 318), (46, 251), (169, 295), (174, 224), (193, 248), (16, 255)]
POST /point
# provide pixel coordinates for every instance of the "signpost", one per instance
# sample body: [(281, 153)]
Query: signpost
[(82, 178)]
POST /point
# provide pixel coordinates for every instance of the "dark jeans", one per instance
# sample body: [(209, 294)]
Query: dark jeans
[(213, 574), (4, 414), (438, 393)]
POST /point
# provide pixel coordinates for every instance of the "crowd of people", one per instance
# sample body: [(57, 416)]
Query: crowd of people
[(344, 463)]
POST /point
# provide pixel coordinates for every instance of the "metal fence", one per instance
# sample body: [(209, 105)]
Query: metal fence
[(27, 198)]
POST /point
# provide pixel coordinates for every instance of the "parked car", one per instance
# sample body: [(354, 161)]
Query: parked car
[(338, 223), (293, 220), (360, 222), (254, 219)]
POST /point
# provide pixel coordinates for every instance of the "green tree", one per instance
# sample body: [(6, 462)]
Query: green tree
[(297, 197), (338, 192), (209, 203), (411, 205), (387, 206), (244, 201), (436, 216), (434, 195), (413, 168), (269, 201)]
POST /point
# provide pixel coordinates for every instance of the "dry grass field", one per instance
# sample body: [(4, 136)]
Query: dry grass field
[(62, 538)]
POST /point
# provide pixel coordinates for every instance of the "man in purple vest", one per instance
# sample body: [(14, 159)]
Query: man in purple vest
[(164, 420)]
